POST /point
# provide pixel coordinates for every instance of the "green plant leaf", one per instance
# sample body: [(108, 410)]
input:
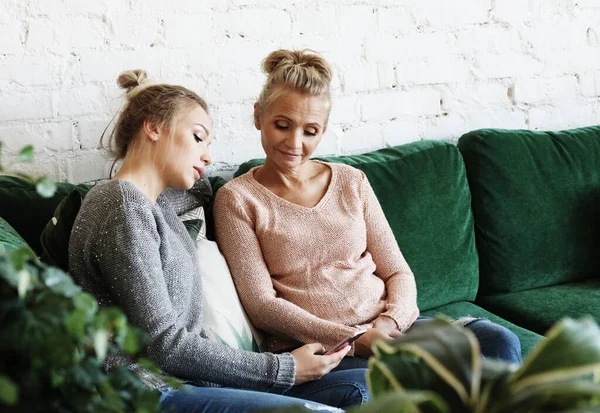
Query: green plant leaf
[(571, 349), (86, 303), (130, 340), (451, 352), (76, 323), (59, 282), (9, 391), (549, 397), (20, 256), (101, 343), (46, 187), (26, 154)]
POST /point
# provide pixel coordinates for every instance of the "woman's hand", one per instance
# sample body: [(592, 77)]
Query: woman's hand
[(385, 322), (362, 346), (310, 365)]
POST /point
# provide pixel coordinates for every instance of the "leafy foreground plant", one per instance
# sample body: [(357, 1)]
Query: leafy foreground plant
[(53, 340), (436, 368)]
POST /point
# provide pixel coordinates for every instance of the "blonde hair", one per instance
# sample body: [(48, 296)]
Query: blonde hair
[(161, 104), (303, 71)]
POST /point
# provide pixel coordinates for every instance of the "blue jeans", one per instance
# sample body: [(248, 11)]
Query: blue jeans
[(336, 390), (496, 342)]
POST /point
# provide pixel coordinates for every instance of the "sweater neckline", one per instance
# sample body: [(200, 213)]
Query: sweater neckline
[(290, 204)]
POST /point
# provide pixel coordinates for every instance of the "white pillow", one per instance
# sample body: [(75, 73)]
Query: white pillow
[(225, 320)]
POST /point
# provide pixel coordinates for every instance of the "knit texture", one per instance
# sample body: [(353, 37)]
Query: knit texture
[(131, 253), (313, 274)]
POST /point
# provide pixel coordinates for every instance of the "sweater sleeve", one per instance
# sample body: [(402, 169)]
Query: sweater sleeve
[(391, 266), (129, 261), (241, 248)]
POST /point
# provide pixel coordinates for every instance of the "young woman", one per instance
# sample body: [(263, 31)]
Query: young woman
[(310, 250), (129, 249)]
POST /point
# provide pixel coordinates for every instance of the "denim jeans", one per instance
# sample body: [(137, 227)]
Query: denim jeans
[(496, 342), (331, 393)]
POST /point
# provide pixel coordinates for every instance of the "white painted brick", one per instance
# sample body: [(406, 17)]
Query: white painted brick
[(188, 29), (387, 48), (579, 59), (234, 87), (363, 138), (88, 166), (26, 106), (506, 65), (442, 127), (561, 117), (82, 33), (15, 138), (105, 67), (357, 21), (254, 24), (443, 69), (512, 11), (30, 71), (400, 132), (233, 56), (345, 110), (330, 144), (546, 90), (43, 165), (61, 7), (395, 20), (81, 101), (316, 21), (10, 38), (475, 97), (495, 118), (52, 136), (138, 30), (336, 48), (490, 39), (386, 106), (90, 131), (387, 76), (360, 79), (451, 14), (587, 84)]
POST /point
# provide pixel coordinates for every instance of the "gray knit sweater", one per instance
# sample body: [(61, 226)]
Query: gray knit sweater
[(130, 253)]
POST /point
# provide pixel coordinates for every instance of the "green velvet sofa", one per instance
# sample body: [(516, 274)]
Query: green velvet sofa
[(505, 225)]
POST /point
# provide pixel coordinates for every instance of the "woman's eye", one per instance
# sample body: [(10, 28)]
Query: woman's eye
[(282, 127), (310, 133), (198, 138)]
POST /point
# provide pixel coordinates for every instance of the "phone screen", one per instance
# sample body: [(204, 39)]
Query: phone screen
[(345, 342)]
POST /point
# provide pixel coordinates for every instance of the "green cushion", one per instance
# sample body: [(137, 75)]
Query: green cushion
[(456, 310), (10, 240), (536, 202), (55, 236), (540, 308), (423, 190), (28, 213)]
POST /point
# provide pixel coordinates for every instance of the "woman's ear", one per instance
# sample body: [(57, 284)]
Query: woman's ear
[(151, 130), (257, 116)]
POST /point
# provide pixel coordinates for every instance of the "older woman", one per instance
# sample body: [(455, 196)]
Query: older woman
[(312, 255)]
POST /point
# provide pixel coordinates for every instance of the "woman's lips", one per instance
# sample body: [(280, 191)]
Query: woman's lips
[(288, 155), (198, 171)]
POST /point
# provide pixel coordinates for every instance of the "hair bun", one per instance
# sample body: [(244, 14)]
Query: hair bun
[(131, 79), (285, 59)]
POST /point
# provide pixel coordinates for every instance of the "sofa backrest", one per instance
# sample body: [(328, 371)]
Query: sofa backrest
[(26, 211), (423, 190), (536, 202)]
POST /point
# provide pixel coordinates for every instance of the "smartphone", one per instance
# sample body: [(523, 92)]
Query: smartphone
[(345, 342)]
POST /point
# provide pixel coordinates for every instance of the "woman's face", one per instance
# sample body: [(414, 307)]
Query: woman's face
[(185, 151), (292, 127)]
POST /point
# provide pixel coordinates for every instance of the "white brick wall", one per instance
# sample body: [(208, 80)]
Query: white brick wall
[(404, 71)]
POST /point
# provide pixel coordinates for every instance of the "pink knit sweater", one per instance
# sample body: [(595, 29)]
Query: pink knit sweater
[(308, 275)]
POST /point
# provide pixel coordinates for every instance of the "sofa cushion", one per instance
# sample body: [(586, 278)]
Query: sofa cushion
[(57, 232), (423, 190), (10, 240), (536, 202), (28, 213), (461, 309), (540, 308)]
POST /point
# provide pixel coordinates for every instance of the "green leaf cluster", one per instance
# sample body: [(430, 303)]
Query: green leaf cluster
[(45, 186), (53, 339), (437, 368)]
